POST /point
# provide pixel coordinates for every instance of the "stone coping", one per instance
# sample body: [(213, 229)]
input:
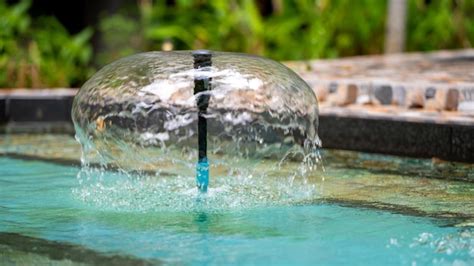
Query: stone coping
[(441, 80), (394, 113)]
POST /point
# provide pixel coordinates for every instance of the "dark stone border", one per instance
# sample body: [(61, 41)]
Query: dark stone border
[(36, 106), (40, 110), (3, 109), (397, 137)]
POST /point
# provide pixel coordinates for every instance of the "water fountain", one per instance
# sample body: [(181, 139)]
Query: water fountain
[(155, 125), (161, 112)]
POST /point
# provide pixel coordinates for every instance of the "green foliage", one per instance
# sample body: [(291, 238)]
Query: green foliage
[(442, 24), (299, 29), (40, 53), (121, 36)]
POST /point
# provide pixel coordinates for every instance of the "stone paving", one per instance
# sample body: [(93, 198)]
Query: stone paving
[(415, 86)]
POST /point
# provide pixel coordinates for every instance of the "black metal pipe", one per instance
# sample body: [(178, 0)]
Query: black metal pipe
[(202, 83), (202, 58)]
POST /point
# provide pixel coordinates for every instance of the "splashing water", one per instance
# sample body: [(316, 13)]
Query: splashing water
[(456, 248), (137, 122)]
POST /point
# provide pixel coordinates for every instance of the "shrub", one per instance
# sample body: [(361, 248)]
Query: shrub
[(40, 52)]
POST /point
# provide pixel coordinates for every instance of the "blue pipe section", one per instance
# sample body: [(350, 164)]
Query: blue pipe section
[(202, 175)]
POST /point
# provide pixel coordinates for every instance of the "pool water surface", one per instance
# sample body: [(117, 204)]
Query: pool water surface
[(45, 201)]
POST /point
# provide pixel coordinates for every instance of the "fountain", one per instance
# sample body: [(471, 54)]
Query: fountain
[(154, 125), (234, 114)]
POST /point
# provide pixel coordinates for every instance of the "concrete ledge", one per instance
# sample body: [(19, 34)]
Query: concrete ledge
[(36, 105), (398, 137), (3, 110), (462, 143)]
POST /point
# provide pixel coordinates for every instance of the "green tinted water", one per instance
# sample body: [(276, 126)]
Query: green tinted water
[(46, 201)]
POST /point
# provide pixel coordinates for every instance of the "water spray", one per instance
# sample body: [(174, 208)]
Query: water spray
[(145, 112)]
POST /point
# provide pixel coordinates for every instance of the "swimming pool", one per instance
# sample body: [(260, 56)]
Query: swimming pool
[(367, 210)]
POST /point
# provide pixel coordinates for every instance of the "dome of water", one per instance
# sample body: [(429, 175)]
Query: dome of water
[(161, 112)]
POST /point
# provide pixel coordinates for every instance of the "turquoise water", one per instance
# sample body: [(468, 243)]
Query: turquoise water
[(46, 201)]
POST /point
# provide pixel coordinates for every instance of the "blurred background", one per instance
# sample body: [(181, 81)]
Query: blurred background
[(47, 43)]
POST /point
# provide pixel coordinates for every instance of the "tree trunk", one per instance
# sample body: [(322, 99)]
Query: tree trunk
[(395, 31)]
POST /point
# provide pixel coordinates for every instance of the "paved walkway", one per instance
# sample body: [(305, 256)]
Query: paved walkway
[(434, 86)]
